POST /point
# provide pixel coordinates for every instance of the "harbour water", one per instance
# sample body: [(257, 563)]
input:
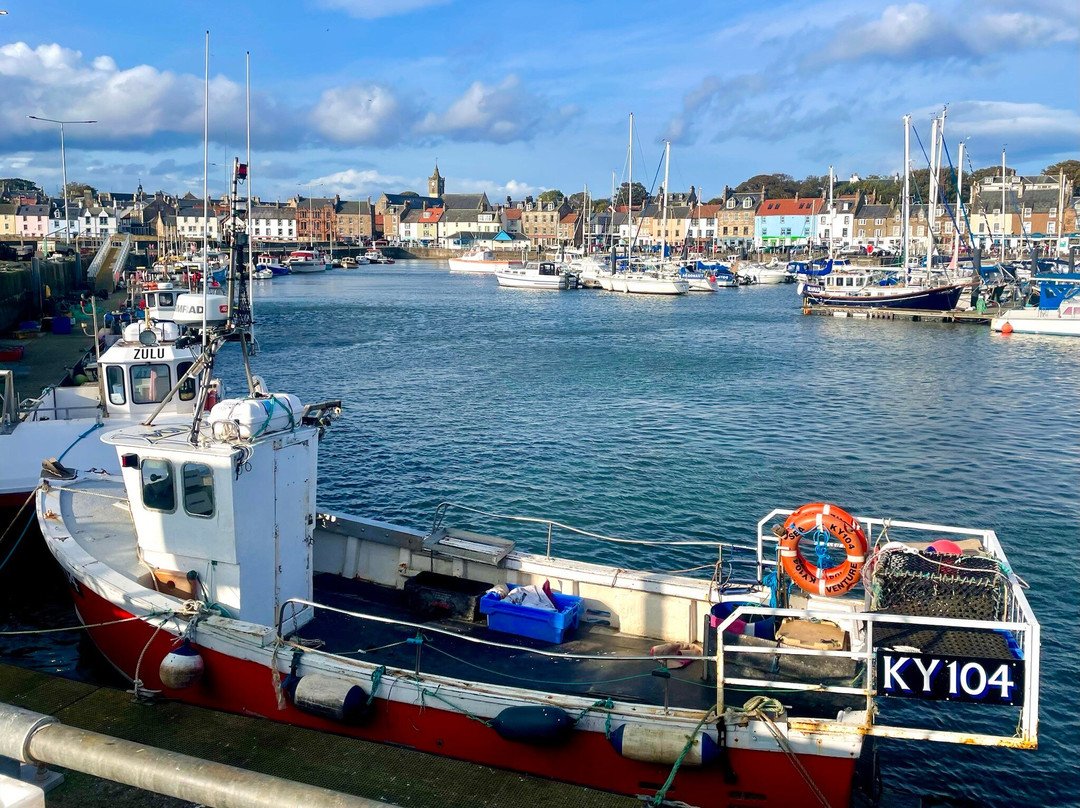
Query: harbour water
[(660, 418)]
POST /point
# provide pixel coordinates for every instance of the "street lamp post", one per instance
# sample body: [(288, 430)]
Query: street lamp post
[(63, 167)]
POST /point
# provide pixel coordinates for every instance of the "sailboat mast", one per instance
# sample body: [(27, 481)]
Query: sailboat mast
[(959, 199), (932, 206), (630, 193), (250, 210), (905, 205), (205, 191), (1004, 229), (832, 212), (667, 162)]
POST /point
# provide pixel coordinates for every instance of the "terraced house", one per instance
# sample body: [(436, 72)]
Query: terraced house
[(735, 221), (786, 222)]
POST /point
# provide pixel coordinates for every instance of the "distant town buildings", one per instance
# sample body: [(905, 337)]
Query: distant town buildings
[(997, 212)]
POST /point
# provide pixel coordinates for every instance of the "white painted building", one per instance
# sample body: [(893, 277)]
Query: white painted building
[(96, 221), (836, 223), (190, 223), (57, 227), (273, 223)]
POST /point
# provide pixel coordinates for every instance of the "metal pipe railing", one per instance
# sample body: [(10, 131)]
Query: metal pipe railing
[(31, 737)]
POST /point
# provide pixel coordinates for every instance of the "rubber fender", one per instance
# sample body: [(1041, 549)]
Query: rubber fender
[(663, 745), (543, 726), (328, 697)]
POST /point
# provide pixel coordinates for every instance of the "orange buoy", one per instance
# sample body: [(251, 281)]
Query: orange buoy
[(839, 524), (1006, 328)]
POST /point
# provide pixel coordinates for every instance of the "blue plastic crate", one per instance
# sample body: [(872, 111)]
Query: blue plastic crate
[(525, 621)]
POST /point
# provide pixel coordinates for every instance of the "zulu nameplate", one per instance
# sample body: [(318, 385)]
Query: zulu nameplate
[(944, 678)]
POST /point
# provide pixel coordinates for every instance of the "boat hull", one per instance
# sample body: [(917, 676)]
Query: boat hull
[(245, 686), (941, 298), (656, 286), (307, 267), (460, 265), (553, 283), (1032, 321)]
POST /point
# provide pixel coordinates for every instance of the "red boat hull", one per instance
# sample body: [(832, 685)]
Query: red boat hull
[(240, 686)]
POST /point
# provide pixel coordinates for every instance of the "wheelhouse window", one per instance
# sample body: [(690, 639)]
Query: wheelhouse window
[(188, 388), (198, 489), (114, 381), (149, 383), (158, 491)]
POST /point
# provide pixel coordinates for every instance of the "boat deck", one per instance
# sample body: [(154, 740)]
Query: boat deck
[(629, 681)]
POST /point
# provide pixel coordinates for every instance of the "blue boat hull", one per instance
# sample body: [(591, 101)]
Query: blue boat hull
[(941, 298)]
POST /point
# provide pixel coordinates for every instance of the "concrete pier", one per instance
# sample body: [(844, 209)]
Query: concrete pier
[(371, 770)]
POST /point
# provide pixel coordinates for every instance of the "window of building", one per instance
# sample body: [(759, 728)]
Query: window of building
[(878, 221), (114, 380), (158, 491), (198, 489), (149, 383), (862, 232)]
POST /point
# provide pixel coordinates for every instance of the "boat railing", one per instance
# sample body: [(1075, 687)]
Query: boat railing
[(724, 550), (1013, 620), (880, 666)]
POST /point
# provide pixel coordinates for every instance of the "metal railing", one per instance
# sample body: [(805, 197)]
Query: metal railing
[(99, 260)]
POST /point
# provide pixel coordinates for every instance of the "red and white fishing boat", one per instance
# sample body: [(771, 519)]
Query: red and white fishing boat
[(204, 571)]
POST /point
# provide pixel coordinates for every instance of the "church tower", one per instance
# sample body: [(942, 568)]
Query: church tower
[(436, 185)]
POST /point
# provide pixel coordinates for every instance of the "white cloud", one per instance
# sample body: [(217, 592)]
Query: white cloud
[(496, 191), (367, 114), (1025, 129), (374, 9), (499, 113), (128, 104), (362, 182)]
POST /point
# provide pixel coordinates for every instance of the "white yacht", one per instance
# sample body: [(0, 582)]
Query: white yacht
[(484, 262), (1057, 313), (307, 261), (537, 275)]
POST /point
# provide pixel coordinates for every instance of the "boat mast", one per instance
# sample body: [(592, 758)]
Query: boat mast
[(905, 205), (832, 212), (250, 210), (959, 202), (630, 195), (1004, 229), (611, 223), (206, 195), (663, 238), (932, 207)]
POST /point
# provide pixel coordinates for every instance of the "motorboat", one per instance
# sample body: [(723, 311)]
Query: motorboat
[(537, 275), (1057, 311), (307, 261), (267, 261), (375, 256), (129, 381), (483, 262), (765, 274), (263, 274)]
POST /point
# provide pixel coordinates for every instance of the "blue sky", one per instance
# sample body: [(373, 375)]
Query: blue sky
[(362, 96)]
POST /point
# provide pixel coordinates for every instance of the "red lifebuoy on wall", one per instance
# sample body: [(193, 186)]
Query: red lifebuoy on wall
[(839, 524)]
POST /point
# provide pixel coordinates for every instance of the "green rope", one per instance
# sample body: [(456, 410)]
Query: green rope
[(466, 713), (659, 798), (376, 677), (608, 705)]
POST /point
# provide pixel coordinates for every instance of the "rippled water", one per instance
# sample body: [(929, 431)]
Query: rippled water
[(693, 417)]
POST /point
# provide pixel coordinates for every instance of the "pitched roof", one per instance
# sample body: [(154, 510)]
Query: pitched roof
[(431, 215), (706, 211), (8, 209), (412, 201), (33, 210), (460, 215), (789, 207), (473, 201), (510, 214), (874, 212), (569, 218)]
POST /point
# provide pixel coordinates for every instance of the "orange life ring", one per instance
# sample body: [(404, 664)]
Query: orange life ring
[(839, 524)]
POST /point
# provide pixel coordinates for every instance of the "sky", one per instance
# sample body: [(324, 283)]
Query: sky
[(358, 97)]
